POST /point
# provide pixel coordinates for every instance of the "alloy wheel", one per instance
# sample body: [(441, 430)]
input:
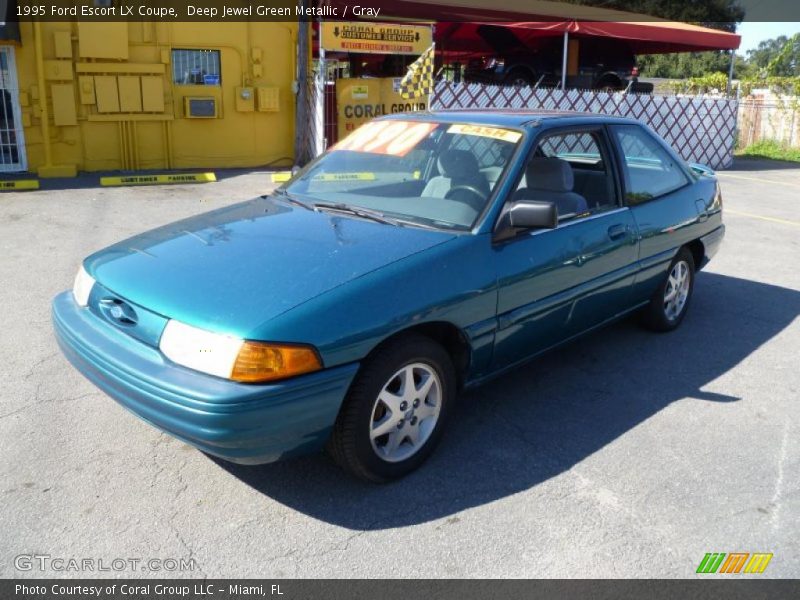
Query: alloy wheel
[(677, 290), (405, 412)]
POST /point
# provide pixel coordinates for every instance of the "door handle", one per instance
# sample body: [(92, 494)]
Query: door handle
[(616, 232)]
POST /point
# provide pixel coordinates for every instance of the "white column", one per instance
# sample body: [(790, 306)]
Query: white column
[(319, 108), (301, 150), (564, 61), (730, 72)]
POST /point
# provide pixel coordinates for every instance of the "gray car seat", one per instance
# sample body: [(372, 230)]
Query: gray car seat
[(456, 167), (492, 174), (550, 179)]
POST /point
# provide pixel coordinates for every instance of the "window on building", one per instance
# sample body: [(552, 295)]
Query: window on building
[(195, 67)]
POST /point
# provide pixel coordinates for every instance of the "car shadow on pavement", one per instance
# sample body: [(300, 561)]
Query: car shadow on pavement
[(539, 421)]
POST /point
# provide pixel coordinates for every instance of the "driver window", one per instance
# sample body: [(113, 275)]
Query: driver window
[(471, 160), (490, 155), (570, 169)]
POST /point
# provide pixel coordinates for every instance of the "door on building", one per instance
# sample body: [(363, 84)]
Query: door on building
[(12, 141)]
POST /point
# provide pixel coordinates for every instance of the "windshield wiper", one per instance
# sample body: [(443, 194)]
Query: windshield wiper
[(364, 213), (418, 224), (290, 198)]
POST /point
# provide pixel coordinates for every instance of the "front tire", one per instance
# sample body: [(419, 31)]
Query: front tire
[(669, 303), (396, 410), (609, 85)]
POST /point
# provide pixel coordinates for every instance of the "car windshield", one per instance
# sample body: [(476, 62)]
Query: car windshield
[(419, 173)]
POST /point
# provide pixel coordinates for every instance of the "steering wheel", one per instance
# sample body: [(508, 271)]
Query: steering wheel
[(467, 188)]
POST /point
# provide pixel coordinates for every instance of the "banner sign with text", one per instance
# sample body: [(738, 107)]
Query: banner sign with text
[(375, 38)]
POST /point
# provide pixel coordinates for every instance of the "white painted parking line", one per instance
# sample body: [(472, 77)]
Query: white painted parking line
[(761, 179), (728, 211)]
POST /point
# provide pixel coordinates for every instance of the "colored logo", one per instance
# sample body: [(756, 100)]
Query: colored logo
[(734, 562)]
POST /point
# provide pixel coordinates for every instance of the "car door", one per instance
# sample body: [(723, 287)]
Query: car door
[(663, 201), (556, 283)]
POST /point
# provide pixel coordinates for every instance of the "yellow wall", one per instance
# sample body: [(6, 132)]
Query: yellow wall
[(112, 104)]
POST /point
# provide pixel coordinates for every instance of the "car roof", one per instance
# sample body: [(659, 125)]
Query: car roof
[(508, 117)]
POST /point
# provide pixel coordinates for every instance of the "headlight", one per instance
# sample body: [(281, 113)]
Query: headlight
[(235, 358), (82, 287)]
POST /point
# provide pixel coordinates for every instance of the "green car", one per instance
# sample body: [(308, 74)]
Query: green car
[(424, 254)]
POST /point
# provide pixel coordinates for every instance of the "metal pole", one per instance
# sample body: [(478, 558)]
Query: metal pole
[(301, 101), (730, 74), (564, 61), (319, 104)]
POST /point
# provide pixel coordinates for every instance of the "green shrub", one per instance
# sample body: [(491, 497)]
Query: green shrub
[(771, 149), (789, 86), (700, 85)]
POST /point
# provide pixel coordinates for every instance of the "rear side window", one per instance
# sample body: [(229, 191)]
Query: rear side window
[(572, 145), (650, 170)]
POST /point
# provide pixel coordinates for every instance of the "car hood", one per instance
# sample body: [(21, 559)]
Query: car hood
[(234, 269)]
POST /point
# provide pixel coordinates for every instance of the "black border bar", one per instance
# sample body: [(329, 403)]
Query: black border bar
[(293, 10), (727, 587)]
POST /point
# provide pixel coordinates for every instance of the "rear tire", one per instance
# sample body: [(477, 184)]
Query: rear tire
[(670, 301), (396, 410), (519, 78)]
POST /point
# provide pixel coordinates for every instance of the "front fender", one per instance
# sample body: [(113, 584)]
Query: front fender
[(453, 283)]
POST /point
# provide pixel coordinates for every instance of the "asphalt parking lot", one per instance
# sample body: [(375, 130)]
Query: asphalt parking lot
[(625, 454)]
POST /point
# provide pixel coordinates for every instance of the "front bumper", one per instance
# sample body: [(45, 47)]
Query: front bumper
[(242, 423)]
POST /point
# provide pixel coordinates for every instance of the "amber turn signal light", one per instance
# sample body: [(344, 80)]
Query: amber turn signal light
[(258, 362)]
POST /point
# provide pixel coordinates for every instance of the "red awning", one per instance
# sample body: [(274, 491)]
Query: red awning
[(652, 37), (640, 37), (457, 22)]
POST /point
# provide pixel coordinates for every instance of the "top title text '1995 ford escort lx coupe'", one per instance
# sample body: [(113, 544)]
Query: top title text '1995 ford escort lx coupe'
[(423, 254)]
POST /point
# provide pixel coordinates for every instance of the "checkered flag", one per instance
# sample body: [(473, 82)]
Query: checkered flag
[(418, 82)]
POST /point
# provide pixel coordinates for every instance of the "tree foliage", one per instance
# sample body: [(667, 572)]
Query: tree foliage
[(777, 57), (689, 64)]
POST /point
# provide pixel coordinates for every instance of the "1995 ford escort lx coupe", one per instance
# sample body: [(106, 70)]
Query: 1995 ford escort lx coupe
[(423, 254)]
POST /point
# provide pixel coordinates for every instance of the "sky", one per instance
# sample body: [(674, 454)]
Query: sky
[(755, 32)]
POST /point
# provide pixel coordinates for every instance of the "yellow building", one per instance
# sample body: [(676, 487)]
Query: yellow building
[(147, 95)]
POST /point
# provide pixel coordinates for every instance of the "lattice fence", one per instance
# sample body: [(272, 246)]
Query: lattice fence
[(700, 129)]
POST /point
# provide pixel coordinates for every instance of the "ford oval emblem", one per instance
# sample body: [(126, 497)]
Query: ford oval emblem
[(119, 311)]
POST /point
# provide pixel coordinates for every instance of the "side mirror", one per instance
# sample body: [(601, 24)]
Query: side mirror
[(533, 214), (701, 169)]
